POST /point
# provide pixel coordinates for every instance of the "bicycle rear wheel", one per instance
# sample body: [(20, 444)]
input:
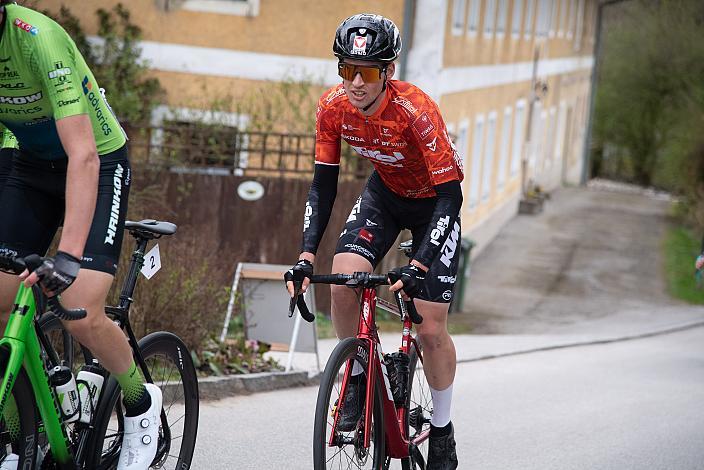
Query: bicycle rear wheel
[(19, 443), (348, 450), (420, 409), (171, 367)]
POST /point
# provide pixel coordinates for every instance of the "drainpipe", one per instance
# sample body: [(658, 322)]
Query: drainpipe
[(409, 11), (586, 155)]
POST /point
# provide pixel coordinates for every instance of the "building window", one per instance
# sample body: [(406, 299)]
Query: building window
[(580, 26), (553, 17), (528, 19), (477, 141), (516, 18), (488, 166), (489, 18), (501, 18), (562, 18), (519, 125), (503, 151), (473, 19), (572, 14), (458, 11), (224, 7), (542, 18)]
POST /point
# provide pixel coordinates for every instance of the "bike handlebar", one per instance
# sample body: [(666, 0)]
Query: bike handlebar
[(359, 279), (16, 265)]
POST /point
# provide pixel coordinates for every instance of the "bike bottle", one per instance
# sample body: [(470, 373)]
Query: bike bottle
[(398, 366), (61, 378), (90, 381)]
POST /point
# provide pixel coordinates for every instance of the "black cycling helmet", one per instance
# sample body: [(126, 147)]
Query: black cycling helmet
[(366, 36)]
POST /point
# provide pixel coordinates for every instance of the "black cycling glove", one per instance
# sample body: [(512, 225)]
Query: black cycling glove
[(301, 270), (412, 277), (58, 273)]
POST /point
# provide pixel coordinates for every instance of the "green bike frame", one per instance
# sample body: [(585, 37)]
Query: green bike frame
[(23, 348)]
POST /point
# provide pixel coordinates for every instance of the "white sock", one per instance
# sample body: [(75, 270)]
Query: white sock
[(442, 402), (357, 368)]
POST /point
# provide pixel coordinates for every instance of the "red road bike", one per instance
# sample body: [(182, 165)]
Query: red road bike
[(396, 403)]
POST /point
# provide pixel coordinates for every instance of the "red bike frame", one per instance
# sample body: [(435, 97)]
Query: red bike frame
[(397, 441)]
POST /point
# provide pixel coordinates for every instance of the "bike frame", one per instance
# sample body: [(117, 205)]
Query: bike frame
[(397, 441), (21, 342)]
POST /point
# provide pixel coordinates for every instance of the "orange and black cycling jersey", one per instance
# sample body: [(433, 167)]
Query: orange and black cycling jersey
[(406, 138)]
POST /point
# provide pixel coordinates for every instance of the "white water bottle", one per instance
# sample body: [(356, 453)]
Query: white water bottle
[(90, 381), (64, 383)]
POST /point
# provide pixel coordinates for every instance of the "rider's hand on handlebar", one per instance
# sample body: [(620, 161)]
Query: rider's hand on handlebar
[(55, 275), (300, 272), (411, 280)]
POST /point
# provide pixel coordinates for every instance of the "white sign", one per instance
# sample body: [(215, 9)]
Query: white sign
[(152, 262)]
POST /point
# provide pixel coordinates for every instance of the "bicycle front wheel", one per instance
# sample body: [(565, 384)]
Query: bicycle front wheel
[(171, 368), (420, 410), (333, 448), (18, 423)]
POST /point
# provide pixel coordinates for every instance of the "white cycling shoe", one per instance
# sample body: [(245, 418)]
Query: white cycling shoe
[(10, 462), (139, 443)]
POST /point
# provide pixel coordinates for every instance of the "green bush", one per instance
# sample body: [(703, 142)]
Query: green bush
[(681, 250)]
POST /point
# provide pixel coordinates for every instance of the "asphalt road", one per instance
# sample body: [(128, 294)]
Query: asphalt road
[(631, 405)]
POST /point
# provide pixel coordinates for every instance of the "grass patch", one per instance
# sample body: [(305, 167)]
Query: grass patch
[(681, 250)]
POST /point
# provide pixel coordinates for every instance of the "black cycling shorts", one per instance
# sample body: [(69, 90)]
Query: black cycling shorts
[(378, 217), (32, 205)]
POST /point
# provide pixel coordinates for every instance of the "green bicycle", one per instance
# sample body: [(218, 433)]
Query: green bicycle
[(36, 430)]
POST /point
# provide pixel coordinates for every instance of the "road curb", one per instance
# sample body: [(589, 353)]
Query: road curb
[(216, 388), (589, 342)]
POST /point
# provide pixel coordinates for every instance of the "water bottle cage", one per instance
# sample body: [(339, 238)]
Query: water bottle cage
[(397, 365)]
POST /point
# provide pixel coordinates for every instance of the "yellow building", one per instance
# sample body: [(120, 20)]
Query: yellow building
[(512, 77)]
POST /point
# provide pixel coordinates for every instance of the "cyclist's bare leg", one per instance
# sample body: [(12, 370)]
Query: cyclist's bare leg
[(97, 332), (345, 301), (439, 356), (9, 284)]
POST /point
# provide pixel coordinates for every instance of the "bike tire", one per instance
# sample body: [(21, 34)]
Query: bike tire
[(25, 447), (419, 403), (348, 350), (167, 359)]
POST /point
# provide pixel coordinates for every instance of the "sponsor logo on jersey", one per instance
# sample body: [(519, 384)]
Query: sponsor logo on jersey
[(361, 250), (349, 127), (37, 120), (385, 132), (115, 210), (26, 27), (400, 144), (359, 46), (36, 109), (442, 170), (405, 104), (355, 210), (450, 247), (370, 223), (63, 103), (59, 72), (8, 74), (2, 61), (13, 86), (433, 144), (366, 235), (446, 279), (21, 99), (335, 94), (306, 216), (353, 138), (416, 192), (377, 156), (439, 230), (447, 295), (423, 126), (94, 101)]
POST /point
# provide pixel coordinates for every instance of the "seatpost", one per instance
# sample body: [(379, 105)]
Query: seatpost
[(136, 264)]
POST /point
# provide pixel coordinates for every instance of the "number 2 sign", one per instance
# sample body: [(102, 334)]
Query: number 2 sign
[(152, 262)]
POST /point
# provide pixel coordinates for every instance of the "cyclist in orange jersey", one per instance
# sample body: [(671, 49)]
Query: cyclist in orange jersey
[(415, 185)]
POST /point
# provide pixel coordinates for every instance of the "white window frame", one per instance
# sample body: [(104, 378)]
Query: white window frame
[(476, 167), (570, 17), (562, 18), (462, 140), (505, 147), (560, 138), (551, 133), (224, 7), (542, 17), (553, 17), (473, 17), (528, 18), (501, 18), (517, 18), (489, 18), (488, 160), (579, 29), (459, 11), (518, 137)]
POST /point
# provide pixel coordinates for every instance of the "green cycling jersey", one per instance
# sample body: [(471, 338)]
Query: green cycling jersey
[(43, 78)]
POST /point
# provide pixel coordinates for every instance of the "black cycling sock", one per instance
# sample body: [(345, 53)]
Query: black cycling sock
[(441, 432), (140, 406)]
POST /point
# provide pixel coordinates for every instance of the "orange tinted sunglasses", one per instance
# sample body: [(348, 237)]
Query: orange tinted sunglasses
[(369, 73)]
